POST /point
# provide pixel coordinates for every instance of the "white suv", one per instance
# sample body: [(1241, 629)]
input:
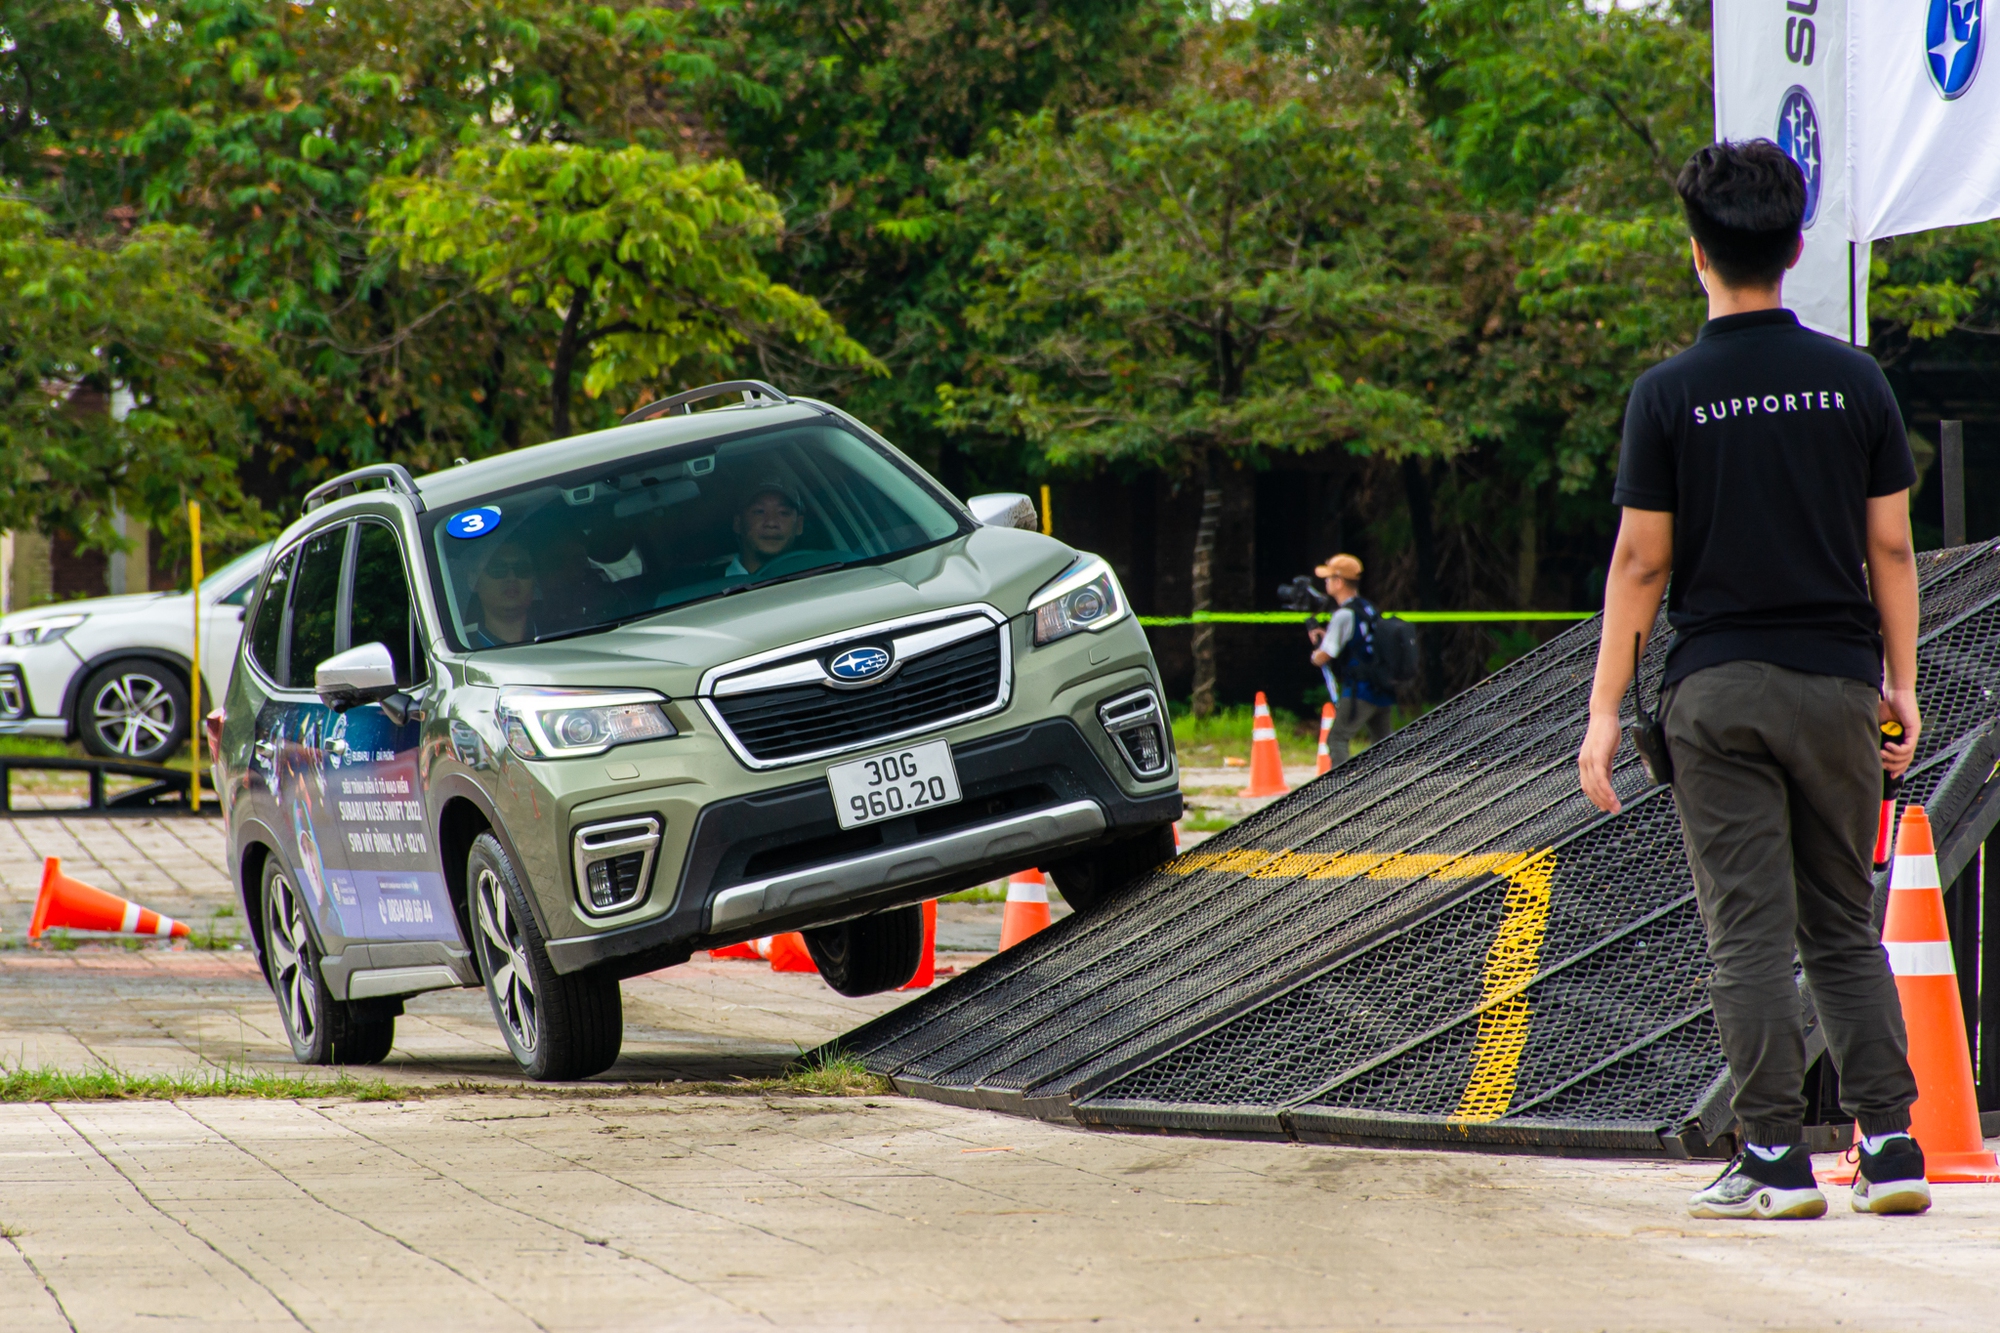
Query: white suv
[(113, 671)]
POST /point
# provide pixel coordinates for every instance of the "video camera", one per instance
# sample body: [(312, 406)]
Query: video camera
[(1304, 593)]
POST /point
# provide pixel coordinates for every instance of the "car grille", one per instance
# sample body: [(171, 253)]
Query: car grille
[(798, 720)]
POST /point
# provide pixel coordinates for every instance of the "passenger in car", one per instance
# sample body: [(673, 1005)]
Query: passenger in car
[(504, 596), (769, 523)]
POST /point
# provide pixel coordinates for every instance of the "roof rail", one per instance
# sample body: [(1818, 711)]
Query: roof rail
[(394, 475), (680, 404)]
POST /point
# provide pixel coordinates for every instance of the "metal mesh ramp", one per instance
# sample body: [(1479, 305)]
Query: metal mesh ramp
[(1440, 941)]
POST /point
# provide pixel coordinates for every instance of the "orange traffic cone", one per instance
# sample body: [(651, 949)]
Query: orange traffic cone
[(1267, 766), (1027, 908), (1324, 764), (927, 968), (787, 953), (78, 906), (1945, 1119), (746, 949)]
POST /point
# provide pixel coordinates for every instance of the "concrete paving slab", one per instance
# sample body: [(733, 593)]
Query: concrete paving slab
[(568, 1212)]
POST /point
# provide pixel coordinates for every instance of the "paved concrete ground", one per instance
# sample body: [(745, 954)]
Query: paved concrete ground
[(625, 1204), (559, 1212)]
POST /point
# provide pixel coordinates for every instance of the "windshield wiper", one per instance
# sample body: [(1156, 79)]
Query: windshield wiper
[(598, 628), (797, 574)]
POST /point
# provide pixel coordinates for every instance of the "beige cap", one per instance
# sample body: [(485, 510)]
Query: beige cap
[(1341, 566)]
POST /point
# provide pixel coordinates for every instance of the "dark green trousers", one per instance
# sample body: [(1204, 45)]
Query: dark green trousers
[(1778, 780)]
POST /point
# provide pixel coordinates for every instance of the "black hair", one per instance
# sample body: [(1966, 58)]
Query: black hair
[(1745, 203)]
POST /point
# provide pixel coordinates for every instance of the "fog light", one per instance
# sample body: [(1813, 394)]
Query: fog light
[(1139, 729), (614, 863)]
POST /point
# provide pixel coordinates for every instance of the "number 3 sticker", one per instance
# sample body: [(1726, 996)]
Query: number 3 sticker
[(473, 522)]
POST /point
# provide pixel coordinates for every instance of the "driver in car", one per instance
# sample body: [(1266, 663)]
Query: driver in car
[(768, 525)]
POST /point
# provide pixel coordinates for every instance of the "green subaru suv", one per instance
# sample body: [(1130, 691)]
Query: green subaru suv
[(567, 715)]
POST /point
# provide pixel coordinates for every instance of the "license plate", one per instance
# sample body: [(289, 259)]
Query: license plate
[(901, 782)]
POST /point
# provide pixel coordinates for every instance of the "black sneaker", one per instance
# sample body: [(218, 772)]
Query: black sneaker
[(1892, 1181), (1751, 1187)]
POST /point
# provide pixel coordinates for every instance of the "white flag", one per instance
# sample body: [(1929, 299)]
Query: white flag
[(1780, 75), (1925, 117)]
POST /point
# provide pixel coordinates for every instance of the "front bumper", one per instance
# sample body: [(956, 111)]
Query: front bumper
[(778, 860)]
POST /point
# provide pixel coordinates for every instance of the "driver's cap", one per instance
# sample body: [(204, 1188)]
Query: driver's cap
[(769, 486), (1340, 567)]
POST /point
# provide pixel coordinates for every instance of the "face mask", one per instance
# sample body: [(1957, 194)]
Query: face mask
[(624, 567)]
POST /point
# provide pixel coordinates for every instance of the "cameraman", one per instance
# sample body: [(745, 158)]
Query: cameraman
[(1344, 648)]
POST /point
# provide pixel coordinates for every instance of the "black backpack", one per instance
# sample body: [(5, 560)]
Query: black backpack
[(1383, 652)]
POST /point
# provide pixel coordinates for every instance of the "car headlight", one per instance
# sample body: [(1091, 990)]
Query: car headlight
[(1084, 597), (42, 631), (563, 724)]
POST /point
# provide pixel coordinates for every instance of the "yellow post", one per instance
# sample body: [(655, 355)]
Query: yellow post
[(194, 675), (1048, 519)]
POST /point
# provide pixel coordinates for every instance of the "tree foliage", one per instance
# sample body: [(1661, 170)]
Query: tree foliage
[(120, 385), (1236, 271), (639, 264)]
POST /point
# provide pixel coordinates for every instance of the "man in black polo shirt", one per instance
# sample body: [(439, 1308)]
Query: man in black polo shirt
[(1766, 470)]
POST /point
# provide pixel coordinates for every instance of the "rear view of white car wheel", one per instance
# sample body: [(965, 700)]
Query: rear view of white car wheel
[(322, 1030), (557, 1027), (133, 709)]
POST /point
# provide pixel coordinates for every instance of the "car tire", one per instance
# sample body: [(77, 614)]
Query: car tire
[(1088, 881), (557, 1027), (871, 955), (134, 709), (322, 1030)]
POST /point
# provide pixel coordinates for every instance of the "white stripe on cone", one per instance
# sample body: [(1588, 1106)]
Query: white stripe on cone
[(1915, 872), (1027, 893), (1263, 733), (131, 921), (165, 926), (1926, 958)]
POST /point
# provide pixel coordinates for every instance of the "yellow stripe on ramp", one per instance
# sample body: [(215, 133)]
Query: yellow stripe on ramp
[(1511, 963)]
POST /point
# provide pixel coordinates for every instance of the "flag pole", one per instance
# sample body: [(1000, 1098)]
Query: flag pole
[(1851, 342), (194, 673)]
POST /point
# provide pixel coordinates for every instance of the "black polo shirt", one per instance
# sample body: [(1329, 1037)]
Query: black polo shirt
[(1765, 441)]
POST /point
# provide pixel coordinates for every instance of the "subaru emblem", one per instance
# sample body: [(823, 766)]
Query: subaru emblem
[(1954, 35), (1798, 138), (857, 664)]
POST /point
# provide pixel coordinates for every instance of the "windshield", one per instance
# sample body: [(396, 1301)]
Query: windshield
[(591, 549)]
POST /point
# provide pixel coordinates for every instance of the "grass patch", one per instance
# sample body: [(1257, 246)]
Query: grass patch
[(1204, 742), (1205, 821), (833, 1074), (984, 893), (40, 747), (48, 1084)]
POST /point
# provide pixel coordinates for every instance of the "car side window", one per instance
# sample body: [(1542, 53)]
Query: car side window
[(315, 607), (267, 632), (240, 596), (382, 609)]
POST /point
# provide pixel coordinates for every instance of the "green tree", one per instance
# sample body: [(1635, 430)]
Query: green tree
[(87, 325), (871, 99), (1233, 273), (643, 262)]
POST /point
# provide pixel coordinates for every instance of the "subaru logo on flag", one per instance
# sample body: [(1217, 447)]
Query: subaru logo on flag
[(1954, 35), (857, 664), (1798, 138)]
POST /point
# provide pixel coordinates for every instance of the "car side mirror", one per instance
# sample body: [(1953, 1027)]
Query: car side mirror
[(1005, 509), (360, 675)]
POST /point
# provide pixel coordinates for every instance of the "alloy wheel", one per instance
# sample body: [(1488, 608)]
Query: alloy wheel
[(133, 714), (505, 955), (291, 961)]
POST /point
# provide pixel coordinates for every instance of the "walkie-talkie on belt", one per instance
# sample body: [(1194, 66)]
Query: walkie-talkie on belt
[(1649, 734), (1892, 786)]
